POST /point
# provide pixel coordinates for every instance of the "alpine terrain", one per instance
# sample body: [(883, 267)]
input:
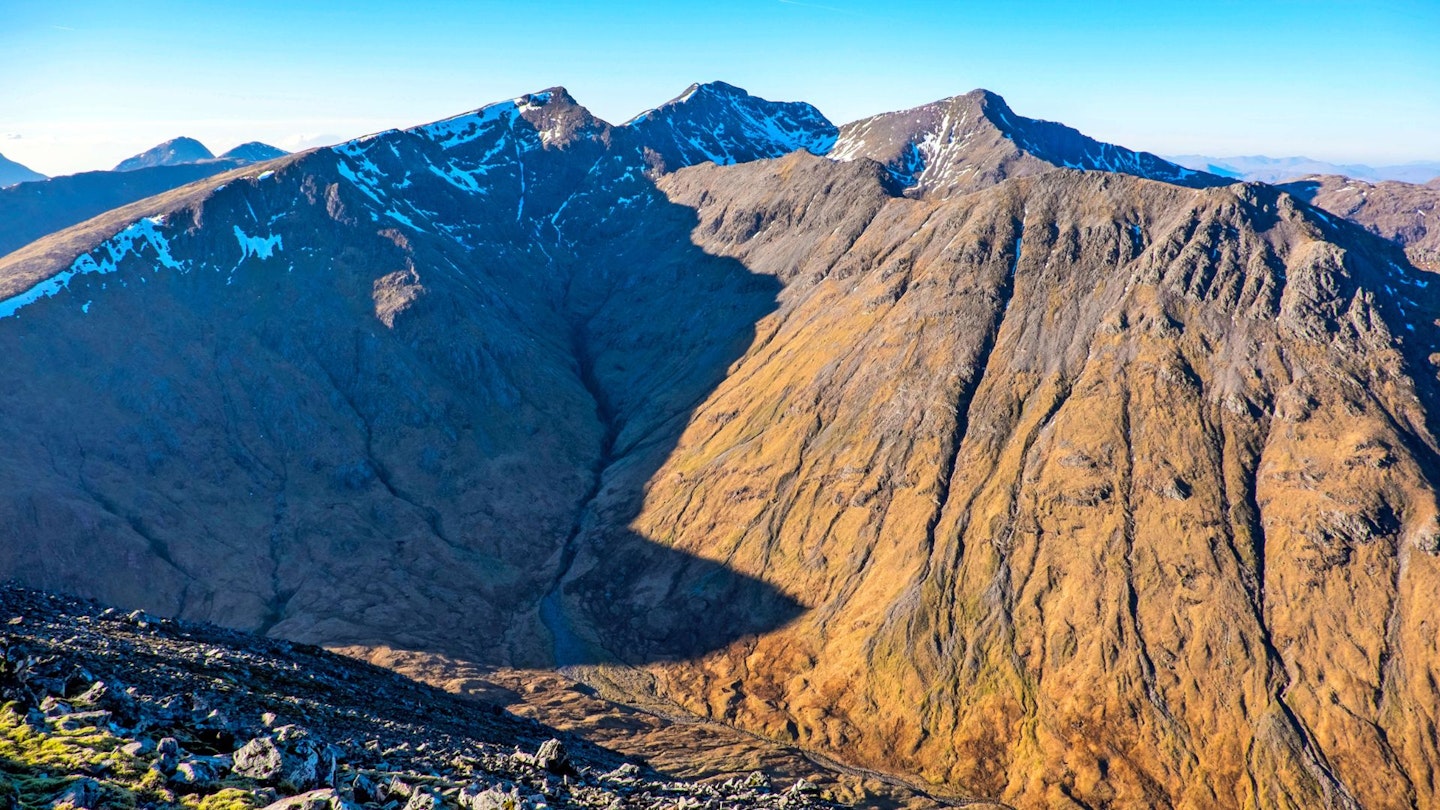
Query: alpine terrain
[(948, 446)]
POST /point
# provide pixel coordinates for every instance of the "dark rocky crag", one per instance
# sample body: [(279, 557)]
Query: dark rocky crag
[(1096, 486)]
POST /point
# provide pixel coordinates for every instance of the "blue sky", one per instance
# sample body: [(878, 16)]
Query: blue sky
[(87, 83)]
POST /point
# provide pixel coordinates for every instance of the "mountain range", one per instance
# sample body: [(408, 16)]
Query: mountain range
[(180, 151), (949, 444), (1278, 170)]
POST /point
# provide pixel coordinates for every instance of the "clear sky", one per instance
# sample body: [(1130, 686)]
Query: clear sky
[(86, 83)]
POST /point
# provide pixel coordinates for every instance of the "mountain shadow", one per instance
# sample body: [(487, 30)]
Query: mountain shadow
[(306, 403)]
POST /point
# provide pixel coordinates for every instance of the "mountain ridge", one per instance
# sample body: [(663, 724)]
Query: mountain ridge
[(1281, 169), (987, 484), (1404, 213), (929, 149), (186, 150)]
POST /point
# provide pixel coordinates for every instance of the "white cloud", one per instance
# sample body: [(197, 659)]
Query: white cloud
[(10, 136), (303, 141)]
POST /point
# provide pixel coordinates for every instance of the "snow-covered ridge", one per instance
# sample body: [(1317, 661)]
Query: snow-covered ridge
[(466, 127), (138, 239), (145, 242)]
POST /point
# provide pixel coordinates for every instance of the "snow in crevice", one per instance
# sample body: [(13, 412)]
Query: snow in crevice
[(259, 247), (462, 129), (363, 184), (141, 239)]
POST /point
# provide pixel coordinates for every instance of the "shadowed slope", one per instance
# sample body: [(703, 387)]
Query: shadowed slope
[(366, 394), (12, 173)]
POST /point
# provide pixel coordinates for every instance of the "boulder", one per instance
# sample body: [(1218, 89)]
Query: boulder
[(323, 799), (167, 755), (82, 794), (553, 757), (289, 759)]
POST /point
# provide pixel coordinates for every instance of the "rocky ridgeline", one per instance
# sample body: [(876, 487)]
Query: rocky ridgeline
[(106, 709)]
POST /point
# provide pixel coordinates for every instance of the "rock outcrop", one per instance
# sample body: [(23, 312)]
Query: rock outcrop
[(1404, 213)]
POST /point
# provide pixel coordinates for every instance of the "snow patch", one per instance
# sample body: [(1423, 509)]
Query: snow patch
[(138, 239), (261, 247)]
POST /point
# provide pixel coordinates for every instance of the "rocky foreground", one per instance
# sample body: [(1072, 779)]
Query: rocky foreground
[(107, 709)]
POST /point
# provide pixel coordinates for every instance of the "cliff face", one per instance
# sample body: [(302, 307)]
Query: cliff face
[(1076, 488)]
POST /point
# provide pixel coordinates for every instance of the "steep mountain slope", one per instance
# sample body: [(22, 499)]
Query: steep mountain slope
[(29, 211), (1406, 214), (12, 173), (1076, 489), (1050, 463), (254, 152), (972, 141), (170, 153)]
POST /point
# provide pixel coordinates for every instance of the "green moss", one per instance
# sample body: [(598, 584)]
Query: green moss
[(226, 799), (41, 764)]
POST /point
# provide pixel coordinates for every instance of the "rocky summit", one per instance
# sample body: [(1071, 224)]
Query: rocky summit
[(949, 445)]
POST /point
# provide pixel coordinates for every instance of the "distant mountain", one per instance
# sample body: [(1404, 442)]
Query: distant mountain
[(972, 141), (30, 210), (12, 173), (254, 152), (1276, 170), (171, 153), (1405, 213)]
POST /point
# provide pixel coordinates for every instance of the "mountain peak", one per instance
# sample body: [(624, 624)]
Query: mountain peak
[(708, 89), (970, 141), (558, 117), (724, 124), (170, 153), (254, 152)]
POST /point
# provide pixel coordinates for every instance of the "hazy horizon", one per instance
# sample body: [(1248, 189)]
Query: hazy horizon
[(90, 83)]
